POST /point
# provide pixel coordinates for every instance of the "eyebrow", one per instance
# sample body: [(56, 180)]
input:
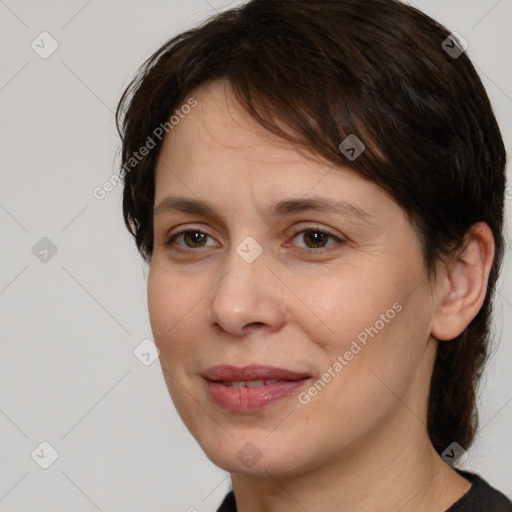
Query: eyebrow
[(282, 208)]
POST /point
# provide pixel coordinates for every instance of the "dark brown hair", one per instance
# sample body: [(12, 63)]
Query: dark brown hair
[(377, 69)]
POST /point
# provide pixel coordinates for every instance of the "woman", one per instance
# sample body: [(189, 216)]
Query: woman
[(318, 189)]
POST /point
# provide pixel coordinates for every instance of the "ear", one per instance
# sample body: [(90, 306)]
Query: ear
[(462, 285)]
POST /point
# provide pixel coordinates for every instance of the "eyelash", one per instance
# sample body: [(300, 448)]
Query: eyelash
[(299, 231)]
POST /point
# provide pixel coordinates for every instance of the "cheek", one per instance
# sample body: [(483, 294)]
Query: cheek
[(381, 336), (172, 302), (342, 308)]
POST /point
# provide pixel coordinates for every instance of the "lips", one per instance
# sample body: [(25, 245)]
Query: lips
[(249, 389), (248, 375)]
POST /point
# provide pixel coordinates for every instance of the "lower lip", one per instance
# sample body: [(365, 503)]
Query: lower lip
[(250, 399)]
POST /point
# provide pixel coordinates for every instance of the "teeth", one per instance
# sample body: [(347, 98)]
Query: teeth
[(247, 383), (250, 383)]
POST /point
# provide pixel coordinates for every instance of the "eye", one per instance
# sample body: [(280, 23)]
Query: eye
[(193, 238), (316, 238), (313, 238)]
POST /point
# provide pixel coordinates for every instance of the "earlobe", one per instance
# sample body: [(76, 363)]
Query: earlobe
[(463, 284)]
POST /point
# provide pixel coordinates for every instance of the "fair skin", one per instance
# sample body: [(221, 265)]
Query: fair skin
[(361, 443)]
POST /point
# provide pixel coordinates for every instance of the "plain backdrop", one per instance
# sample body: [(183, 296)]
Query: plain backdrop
[(72, 286)]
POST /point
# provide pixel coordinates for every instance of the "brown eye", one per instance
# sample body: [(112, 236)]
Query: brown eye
[(314, 238), (192, 239)]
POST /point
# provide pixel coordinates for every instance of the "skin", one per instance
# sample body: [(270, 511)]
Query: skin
[(361, 443)]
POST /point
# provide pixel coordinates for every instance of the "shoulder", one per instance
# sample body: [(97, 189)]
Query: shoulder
[(481, 497), (228, 504)]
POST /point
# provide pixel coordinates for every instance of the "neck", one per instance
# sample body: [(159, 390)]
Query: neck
[(394, 469)]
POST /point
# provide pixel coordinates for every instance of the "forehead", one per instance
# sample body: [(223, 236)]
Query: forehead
[(218, 151), (220, 127)]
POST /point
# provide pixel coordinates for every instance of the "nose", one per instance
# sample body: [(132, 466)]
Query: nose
[(248, 297)]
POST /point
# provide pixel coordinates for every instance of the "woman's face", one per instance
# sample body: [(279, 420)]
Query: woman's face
[(254, 284)]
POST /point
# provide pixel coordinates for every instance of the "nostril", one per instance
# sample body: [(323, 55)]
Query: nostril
[(257, 324)]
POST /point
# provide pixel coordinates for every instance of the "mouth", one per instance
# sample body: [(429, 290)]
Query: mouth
[(251, 388), (252, 383), (251, 375)]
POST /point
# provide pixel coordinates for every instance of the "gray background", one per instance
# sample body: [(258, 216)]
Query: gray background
[(70, 324)]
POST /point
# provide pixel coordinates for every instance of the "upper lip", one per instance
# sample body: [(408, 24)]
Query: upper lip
[(251, 372)]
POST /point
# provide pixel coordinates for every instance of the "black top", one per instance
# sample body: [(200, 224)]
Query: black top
[(481, 497)]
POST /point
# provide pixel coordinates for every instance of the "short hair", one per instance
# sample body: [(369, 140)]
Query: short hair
[(326, 70)]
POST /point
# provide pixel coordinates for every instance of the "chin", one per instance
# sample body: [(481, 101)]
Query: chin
[(251, 455)]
